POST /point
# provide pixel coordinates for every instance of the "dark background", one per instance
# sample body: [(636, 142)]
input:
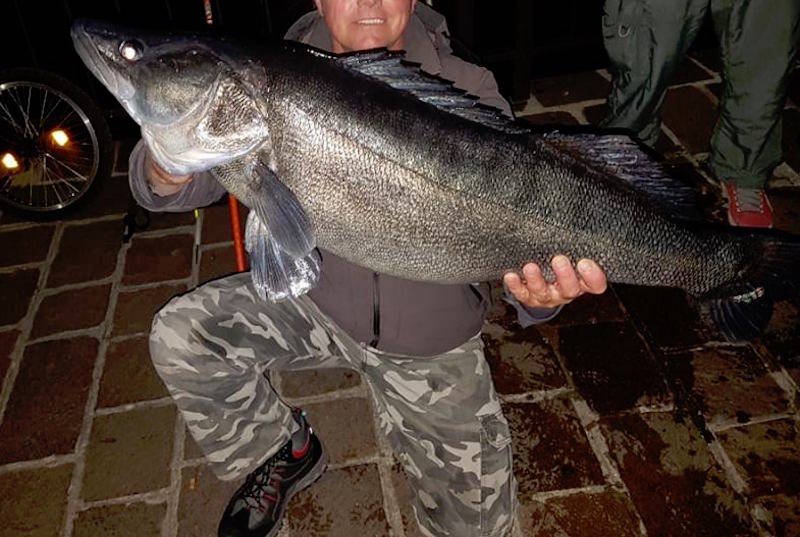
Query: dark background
[(516, 39)]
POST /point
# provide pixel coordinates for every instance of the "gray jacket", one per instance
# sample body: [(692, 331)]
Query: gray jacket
[(391, 314)]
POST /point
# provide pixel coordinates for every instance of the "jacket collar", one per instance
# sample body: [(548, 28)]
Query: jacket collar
[(419, 44)]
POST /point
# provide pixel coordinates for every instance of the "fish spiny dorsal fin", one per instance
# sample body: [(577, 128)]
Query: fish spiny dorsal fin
[(390, 68), (619, 156)]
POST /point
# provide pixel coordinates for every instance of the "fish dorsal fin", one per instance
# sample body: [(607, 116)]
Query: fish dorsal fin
[(390, 68), (620, 156)]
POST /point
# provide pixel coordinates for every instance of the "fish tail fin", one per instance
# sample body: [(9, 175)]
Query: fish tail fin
[(742, 309)]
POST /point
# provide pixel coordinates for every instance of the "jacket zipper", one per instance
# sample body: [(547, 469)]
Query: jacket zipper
[(376, 312)]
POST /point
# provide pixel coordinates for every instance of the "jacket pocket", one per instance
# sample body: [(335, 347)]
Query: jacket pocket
[(623, 33), (498, 487)]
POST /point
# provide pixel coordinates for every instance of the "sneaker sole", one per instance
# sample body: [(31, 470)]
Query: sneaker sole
[(310, 478)]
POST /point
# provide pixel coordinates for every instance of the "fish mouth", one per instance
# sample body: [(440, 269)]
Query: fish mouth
[(90, 50)]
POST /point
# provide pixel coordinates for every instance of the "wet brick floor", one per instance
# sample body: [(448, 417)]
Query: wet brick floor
[(630, 415)]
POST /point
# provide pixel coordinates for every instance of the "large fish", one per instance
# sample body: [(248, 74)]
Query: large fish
[(367, 157)]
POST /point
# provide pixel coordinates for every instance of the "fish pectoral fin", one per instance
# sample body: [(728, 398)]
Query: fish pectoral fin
[(619, 157), (280, 211), (277, 275)]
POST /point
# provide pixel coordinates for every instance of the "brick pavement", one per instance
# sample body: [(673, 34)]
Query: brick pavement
[(630, 416)]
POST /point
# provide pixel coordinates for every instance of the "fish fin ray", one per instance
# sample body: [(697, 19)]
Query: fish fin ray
[(275, 274), (390, 68), (742, 310), (619, 156), (280, 210)]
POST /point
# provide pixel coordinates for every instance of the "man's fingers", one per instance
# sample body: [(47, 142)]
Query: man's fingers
[(535, 282), (515, 286), (593, 279), (566, 279)]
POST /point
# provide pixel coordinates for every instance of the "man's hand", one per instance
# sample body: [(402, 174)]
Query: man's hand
[(535, 292), (162, 182)]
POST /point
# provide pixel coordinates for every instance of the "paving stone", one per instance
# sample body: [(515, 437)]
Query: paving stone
[(402, 493), (216, 263), (709, 57), (571, 88), (690, 114), (672, 477), (730, 384), (134, 520), (129, 375), (551, 451), (86, 252), (551, 118), (767, 455), (345, 427), (791, 137), (16, 292), (45, 411), (344, 502), (595, 114), (158, 258), (317, 381), (784, 514), (666, 316), (124, 149), (612, 368), (71, 310), (135, 309), (520, 359), (29, 245), (165, 220), (217, 222), (786, 209), (202, 501), (591, 309), (689, 71), (109, 196), (7, 342), (39, 501), (141, 440), (782, 335), (190, 448), (581, 515)]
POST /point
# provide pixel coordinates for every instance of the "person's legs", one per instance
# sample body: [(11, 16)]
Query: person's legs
[(443, 418), (759, 40), (646, 40), (211, 348)]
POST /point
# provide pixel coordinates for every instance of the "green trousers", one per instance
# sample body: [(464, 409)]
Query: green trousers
[(646, 41)]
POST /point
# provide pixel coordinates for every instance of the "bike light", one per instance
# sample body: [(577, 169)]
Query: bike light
[(59, 137), (9, 161)]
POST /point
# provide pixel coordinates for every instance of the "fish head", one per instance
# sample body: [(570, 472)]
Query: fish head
[(180, 88)]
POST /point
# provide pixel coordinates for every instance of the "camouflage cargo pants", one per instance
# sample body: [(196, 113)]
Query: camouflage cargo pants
[(213, 345)]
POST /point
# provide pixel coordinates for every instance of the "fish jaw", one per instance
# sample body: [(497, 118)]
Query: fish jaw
[(97, 46)]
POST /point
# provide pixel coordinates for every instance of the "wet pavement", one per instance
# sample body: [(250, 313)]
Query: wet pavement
[(630, 414)]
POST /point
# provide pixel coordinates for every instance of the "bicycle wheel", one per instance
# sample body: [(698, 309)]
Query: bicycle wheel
[(54, 143)]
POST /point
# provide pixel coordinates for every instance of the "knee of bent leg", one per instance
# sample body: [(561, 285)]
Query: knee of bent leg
[(171, 329)]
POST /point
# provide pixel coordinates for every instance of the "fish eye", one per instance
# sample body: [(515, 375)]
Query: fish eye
[(131, 50)]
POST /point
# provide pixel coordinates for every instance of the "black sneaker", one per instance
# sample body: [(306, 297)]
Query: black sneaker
[(256, 509)]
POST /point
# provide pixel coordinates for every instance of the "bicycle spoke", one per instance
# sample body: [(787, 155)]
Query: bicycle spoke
[(11, 119), (62, 163)]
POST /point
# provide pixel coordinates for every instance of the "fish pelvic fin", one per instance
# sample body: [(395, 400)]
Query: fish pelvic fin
[(742, 310)]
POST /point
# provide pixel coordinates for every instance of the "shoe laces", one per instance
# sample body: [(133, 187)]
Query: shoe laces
[(260, 482), (750, 199)]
